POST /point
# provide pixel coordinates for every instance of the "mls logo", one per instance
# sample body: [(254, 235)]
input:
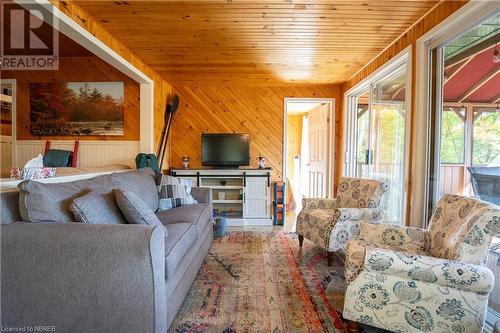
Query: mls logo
[(30, 39)]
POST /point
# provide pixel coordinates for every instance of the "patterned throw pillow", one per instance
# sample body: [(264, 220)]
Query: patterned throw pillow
[(173, 192)]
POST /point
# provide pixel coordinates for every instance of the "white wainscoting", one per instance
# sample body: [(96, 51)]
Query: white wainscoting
[(5, 155), (90, 153)]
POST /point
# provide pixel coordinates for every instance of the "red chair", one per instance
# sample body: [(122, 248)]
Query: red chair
[(73, 155)]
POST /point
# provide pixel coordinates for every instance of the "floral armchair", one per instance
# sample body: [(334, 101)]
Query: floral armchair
[(330, 223), (413, 280)]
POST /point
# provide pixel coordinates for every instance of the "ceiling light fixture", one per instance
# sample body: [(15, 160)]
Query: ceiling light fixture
[(496, 54)]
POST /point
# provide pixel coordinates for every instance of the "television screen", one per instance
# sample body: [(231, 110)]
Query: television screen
[(225, 150)]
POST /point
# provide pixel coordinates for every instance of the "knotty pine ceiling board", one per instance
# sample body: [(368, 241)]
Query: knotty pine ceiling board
[(256, 42)]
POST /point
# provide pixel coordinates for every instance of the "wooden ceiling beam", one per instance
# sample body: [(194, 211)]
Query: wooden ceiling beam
[(458, 69), (479, 84), (496, 99)]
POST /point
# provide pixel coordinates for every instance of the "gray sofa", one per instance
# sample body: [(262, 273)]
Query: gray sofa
[(100, 277)]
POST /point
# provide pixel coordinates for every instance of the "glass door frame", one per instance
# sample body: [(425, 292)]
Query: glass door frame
[(404, 58), (466, 18), (427, 101)]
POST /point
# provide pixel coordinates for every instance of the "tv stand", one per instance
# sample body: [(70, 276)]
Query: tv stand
[(246, 198)]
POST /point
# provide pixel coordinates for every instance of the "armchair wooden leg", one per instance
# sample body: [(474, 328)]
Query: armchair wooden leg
[(301, 240), (330, 258), (352, 326)]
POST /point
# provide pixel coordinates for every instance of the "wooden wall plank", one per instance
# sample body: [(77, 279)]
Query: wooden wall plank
[(79, 69), (257, 110), (162, 89)]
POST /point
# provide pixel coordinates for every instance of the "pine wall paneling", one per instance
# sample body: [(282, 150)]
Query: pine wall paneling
[(161, 88), (439, 13), (257, 110), (76, 69)]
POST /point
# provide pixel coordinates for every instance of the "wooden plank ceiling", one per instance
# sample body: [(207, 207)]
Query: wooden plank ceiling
[(260, 41)]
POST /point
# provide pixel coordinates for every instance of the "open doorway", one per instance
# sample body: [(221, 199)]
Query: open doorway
[(308, 150)]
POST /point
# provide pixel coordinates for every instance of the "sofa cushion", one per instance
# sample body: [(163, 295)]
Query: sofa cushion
[(40, 202), (140, 182), (180, 237), (97, 207), (9, 207), (134, 209), (198, 214)]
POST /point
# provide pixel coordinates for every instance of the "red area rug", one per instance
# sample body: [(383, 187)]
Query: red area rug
[(263, 282)]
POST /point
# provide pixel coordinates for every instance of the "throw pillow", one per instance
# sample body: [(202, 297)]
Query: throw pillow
[(173, 192), (97, 207), (135, 210), (141, 182), (46, 202)]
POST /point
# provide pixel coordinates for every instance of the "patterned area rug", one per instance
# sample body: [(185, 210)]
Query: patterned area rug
[(263, 282)]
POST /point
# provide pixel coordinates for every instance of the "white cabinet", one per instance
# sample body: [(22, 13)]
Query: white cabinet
[(256, 198), (246, 193)]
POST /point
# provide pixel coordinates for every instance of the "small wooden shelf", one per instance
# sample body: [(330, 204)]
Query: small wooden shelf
[(226, 201)]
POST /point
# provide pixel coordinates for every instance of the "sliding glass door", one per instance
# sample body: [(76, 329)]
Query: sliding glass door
[(378, 128), (464, 140), (388, 113)]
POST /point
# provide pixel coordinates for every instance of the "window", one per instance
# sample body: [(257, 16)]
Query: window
[(453, 135), (465, 126), (486, 137), (376, 136)]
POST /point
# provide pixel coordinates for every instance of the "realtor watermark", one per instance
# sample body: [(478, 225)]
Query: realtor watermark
[(28, 328), (30, 36)]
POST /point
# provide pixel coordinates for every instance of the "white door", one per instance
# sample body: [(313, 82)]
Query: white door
[(318, 151), (255, 199)]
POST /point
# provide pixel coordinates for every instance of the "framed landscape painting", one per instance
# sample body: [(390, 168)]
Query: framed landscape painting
[(76, 108)]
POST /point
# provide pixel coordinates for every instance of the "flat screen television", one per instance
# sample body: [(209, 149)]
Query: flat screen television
[(225, 150)]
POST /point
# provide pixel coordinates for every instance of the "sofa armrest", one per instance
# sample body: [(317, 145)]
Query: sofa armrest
[(318, 203), (411, 239), (202, 194), (83, 277), (444, 272)]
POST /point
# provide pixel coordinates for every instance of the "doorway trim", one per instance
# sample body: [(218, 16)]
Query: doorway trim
[(13, 116), (464, 19), (83, 37), (331, 139), (350, 129)]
